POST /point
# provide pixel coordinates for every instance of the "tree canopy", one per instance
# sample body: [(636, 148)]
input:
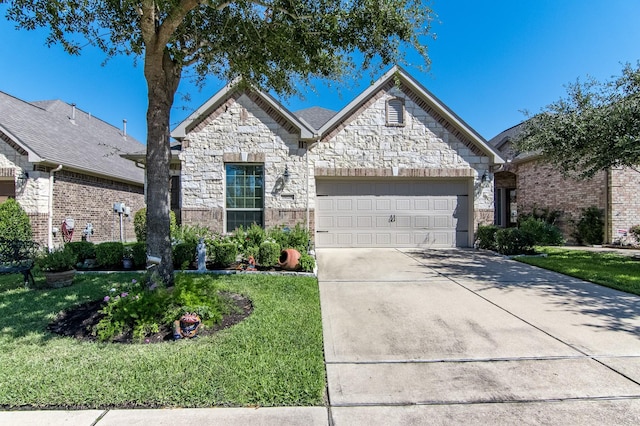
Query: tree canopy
[(595, 127), (269, 44)]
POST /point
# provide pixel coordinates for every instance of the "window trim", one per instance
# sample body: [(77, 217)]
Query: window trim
[(389, 107)]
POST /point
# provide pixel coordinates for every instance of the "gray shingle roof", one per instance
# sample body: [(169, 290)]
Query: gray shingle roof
[(86, 144), (316, 116)]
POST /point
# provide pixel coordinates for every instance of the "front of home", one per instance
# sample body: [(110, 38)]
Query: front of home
[(394, 168)]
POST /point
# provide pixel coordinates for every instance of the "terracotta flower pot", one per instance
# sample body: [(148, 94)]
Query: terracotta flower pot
[(289, 259)]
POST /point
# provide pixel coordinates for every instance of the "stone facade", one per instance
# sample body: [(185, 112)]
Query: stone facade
[(241, 130)]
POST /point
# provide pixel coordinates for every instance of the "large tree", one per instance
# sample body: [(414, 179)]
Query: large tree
[(269, 44), (595, 127)]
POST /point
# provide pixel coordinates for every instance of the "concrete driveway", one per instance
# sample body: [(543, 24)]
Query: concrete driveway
[(463, 337)]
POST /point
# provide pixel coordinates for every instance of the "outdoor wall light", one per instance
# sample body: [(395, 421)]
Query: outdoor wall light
[(286, 174), (23, 176), (485, 177)]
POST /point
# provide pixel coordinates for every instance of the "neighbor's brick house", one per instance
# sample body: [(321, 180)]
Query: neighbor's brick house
[(527, 181), (395, 167), (37, 138)]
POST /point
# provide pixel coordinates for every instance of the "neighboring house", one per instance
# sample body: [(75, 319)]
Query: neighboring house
[(394, 168), (61, 163), (526, 182)]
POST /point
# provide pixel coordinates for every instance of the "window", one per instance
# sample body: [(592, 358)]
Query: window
[(7, 190), (395, 112), (245, 195)]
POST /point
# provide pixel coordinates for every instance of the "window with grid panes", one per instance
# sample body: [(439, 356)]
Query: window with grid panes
[(245, 195)]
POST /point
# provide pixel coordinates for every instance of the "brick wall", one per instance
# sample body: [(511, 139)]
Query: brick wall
[(540, 185), (89, 199), (625, 200)]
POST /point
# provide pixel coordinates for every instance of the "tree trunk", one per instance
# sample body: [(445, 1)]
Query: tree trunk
[(163, 76)]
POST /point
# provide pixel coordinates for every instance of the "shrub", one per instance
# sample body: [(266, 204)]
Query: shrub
[(225, 253), (193, 233), (590, 227), (541, 232), (298, 238), (109, 254), (510, 241), (58, 260), (254, 236), (307, 262), (486, 237), (140, 224), (268, 253), (635, 232), (83, 250), (541, 213), (184, 254), (279, 235), (14, 221), (139, 252), (251, 251)]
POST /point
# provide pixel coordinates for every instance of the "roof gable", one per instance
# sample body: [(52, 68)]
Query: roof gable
[(397, 76), (230, 93), (54, 132)]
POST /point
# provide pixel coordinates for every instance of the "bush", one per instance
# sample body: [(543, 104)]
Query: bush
[(14, 222), (542, 233), (307, 262), (511, 241), (109, 254), (139, 252), (544, 214), (486, 237), (269, 253), (278, 235), (254, 236), (590, 227), (193, 233), (184, 254), (140, 225), (298, 238), (225, 253), (83, 250), (635, 232), (58, 260)]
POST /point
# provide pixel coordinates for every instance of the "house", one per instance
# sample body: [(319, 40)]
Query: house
[(61, 164), (394, 168), (526, 182)]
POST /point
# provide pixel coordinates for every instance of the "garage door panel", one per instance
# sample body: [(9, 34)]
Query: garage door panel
[(386, 214), (364, 205)]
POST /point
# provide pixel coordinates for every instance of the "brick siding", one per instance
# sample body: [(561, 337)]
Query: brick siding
[(89, 199)]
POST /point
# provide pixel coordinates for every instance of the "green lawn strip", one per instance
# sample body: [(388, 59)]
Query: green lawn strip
[(605, 268), (273, 358)]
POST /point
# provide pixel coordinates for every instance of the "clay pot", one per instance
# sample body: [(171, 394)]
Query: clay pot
[(289, 259), (59, 279)]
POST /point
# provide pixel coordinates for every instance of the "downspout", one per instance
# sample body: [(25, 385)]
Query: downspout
[(50, 227)]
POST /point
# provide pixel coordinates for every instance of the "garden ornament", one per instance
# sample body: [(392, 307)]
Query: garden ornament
[(201, 252), (186, 327)]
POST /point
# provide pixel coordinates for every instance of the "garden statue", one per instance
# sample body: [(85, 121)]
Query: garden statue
[(201, 255), (186, 327), (252, 264)]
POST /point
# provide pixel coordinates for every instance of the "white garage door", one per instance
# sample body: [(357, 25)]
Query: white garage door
[(381, 213)]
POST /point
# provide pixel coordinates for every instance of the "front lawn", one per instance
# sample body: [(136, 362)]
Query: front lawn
[(605, 268), (272, 358)]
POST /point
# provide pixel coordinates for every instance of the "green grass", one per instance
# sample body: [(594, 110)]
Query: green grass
[(273, 358), (605, 268)]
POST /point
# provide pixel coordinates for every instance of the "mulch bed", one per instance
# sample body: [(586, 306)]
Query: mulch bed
[(80, 321)]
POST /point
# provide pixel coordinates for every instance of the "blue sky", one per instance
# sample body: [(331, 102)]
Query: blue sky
[(491, 60)]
